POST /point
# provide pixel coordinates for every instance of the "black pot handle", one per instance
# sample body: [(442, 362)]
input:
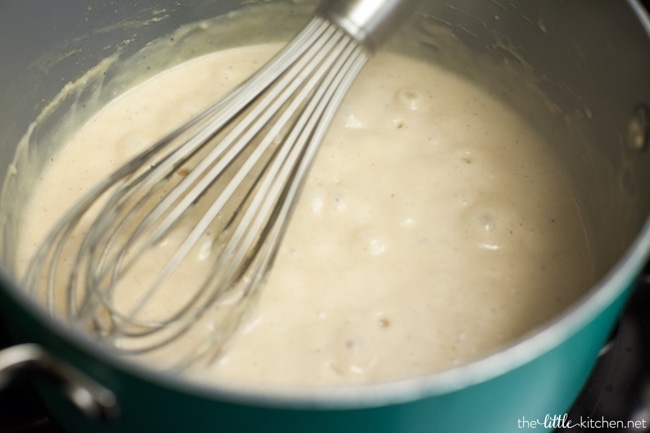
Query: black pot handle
[(89, 397)]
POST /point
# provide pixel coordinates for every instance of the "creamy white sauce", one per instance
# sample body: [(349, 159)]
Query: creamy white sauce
[(436, 225)]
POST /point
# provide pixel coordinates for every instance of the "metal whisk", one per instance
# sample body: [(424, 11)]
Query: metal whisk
[(210, 200)]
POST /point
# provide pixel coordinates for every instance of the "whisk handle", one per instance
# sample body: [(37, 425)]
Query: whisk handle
[(370, 22)]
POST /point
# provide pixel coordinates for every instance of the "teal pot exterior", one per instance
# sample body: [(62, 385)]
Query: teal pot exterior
[(581, 46)]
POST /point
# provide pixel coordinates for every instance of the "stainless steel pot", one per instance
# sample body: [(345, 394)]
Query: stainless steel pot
[(590, 60)]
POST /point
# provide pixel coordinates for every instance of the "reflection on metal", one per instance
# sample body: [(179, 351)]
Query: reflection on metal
[(92, 399)]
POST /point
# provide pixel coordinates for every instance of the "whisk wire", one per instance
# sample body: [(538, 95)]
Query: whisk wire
[(329, 52), (261, 115), (247, 158), (48, 258), (305, 136), (322, 106), (152, 178)]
